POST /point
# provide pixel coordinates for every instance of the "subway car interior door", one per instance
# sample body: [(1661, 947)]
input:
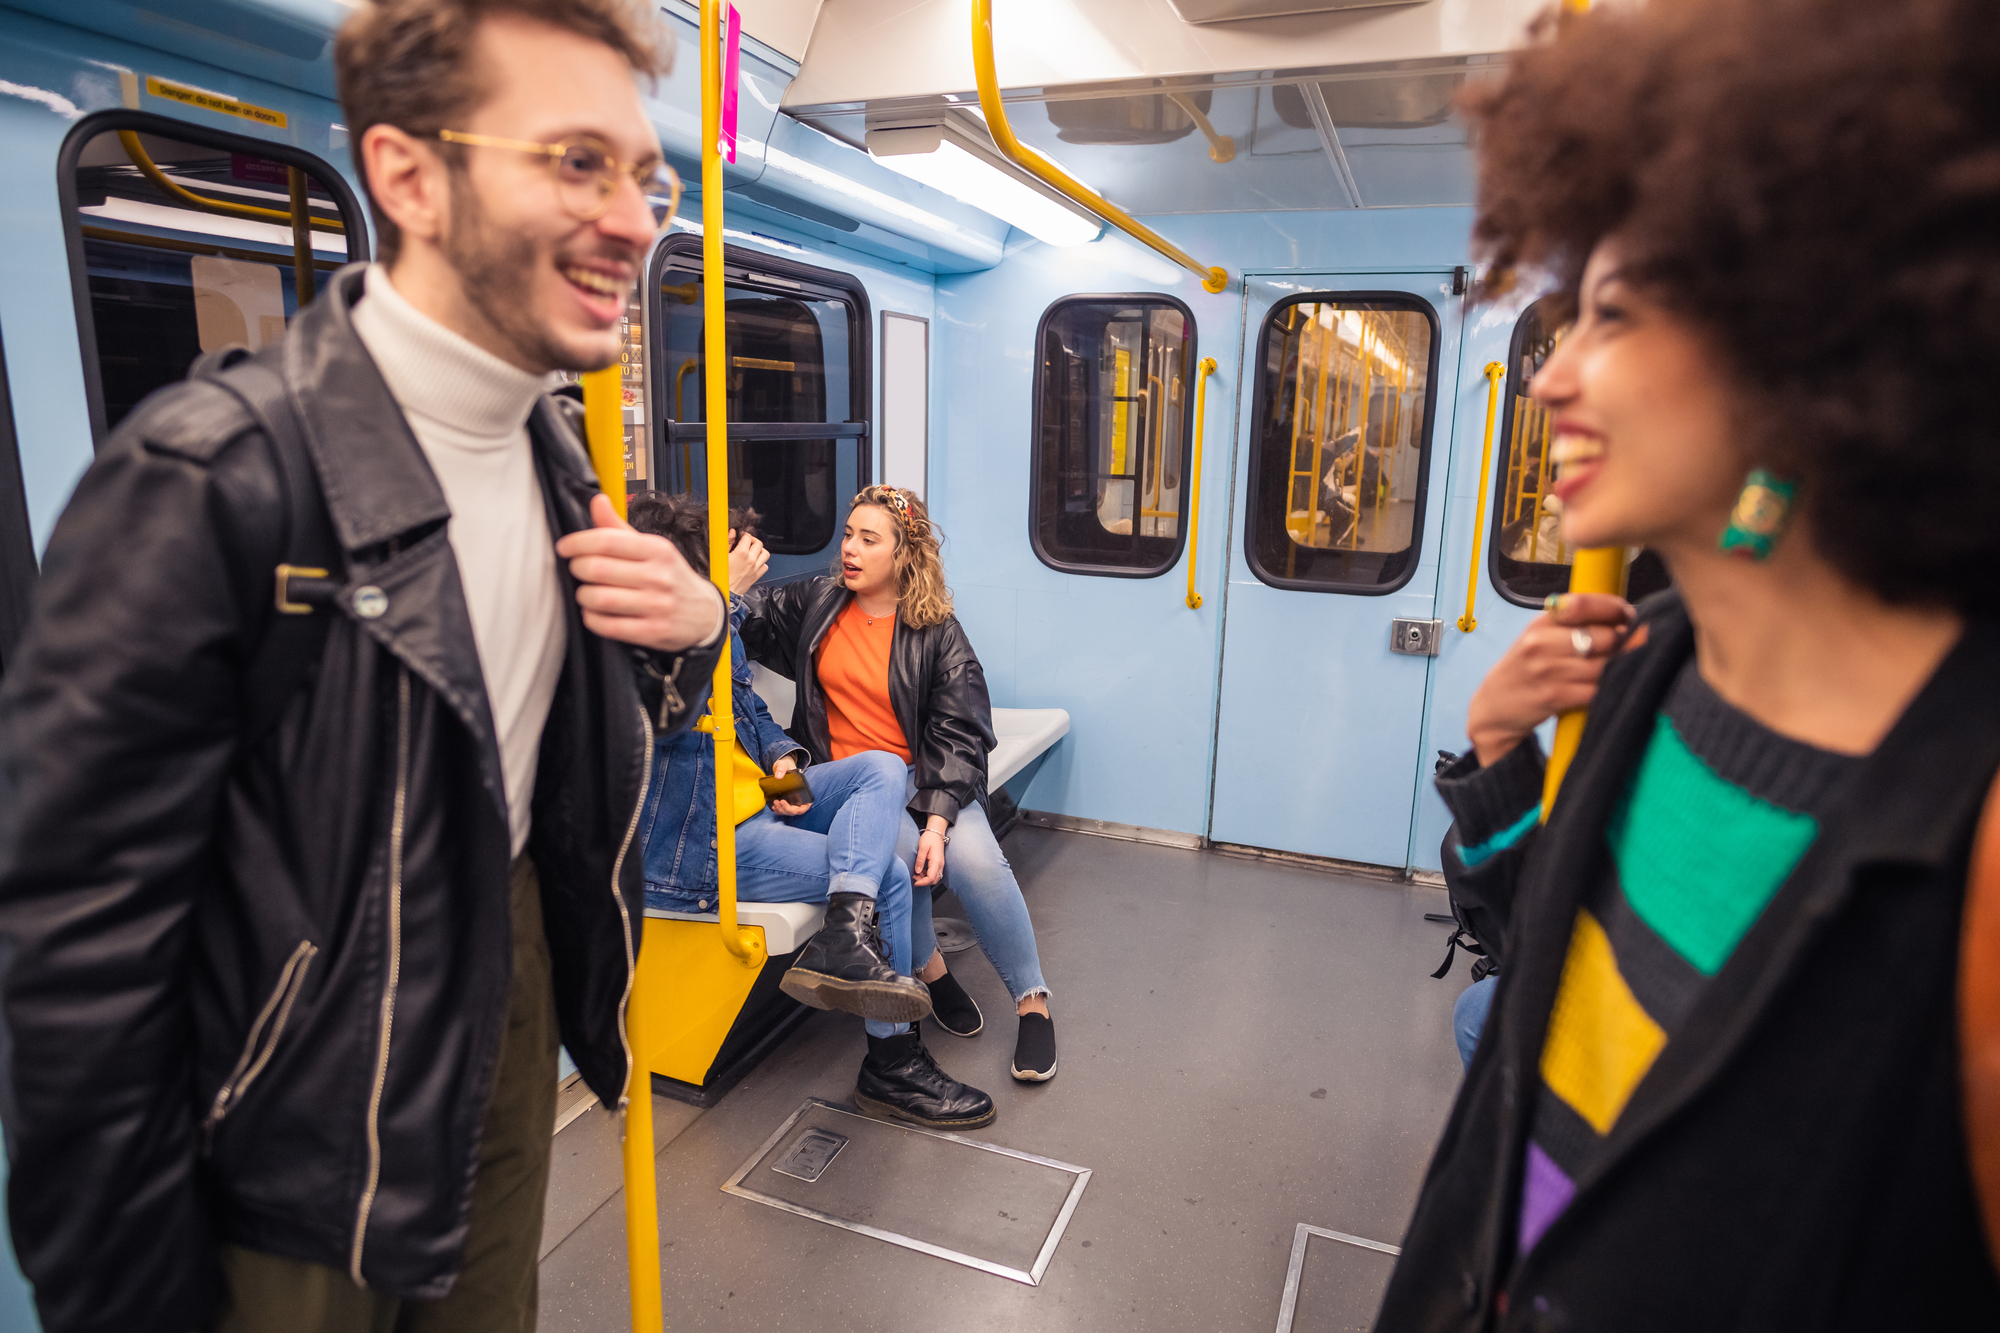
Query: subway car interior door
[(1333, 580)]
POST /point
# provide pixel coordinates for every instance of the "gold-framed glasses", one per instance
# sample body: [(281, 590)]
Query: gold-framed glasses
[(586, 175)]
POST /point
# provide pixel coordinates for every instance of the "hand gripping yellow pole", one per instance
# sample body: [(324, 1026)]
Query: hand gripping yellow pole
[(1212, 279), (1600, 569), (1201, 375), (1495, 372)]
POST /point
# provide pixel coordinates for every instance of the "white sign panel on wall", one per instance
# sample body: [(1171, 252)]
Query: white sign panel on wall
[(906, 400)]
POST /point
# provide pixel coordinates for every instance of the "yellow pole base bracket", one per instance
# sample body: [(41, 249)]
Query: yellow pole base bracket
[(1495, 373), (1600, 569)]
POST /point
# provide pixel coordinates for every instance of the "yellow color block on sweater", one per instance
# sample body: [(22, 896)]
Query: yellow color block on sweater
[(1600, 1042)]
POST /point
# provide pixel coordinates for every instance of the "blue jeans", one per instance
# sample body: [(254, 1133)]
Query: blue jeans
[(843, 844), (977, 871), (1468, 1016)]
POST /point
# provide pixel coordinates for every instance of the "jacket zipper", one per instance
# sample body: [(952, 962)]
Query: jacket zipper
[(625, 917), (258, 1047), (395, 969)]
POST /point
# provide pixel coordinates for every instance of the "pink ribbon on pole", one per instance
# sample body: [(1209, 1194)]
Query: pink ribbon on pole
[(732, 45)]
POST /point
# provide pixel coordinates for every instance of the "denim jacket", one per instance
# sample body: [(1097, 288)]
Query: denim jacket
[(677, 824)]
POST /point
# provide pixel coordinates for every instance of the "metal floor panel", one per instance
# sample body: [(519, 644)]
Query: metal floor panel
[(945, 1195), (1243, 1044), (1335, 1283)]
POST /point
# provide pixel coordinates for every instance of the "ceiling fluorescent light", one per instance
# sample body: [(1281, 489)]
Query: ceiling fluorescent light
[(928, 154)]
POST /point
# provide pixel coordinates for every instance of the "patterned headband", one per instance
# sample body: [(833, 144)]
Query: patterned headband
[(894, 498)]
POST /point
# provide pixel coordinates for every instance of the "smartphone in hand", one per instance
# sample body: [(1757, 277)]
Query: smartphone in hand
[(787, 787)]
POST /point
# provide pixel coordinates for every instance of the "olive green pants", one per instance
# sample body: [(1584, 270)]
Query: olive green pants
[(495, 1291)]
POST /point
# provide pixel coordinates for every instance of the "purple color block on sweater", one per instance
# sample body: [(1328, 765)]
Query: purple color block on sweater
[(1545, 1192)]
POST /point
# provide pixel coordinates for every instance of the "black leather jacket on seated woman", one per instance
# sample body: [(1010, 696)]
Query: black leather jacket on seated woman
[(936, 686)]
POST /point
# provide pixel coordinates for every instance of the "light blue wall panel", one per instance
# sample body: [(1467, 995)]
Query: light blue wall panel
[(1135, 668)]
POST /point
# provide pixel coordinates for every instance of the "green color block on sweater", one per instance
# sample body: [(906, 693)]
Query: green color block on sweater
[(1697, 857)]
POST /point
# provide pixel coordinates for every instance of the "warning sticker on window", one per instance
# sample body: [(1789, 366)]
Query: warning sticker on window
[(228, 106)]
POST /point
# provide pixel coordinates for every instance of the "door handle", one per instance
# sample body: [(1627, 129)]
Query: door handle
[(1495, 372), (1201, 374)]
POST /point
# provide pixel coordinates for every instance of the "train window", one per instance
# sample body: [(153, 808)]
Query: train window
[(797, 397), (186, 240), (1529, 557), (1344, 402), (1112, 425)]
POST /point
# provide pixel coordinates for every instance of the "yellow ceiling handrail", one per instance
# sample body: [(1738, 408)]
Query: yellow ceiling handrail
[(1212, 279), (151, 171)]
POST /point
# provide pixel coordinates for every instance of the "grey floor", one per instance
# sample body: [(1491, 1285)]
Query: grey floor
[(1245, 1046)]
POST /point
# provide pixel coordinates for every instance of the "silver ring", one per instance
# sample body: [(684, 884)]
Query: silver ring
[(1580, 640)]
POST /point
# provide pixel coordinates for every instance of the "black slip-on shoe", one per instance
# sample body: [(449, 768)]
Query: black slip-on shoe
[(953, 1010), (842, 968), (900, 1081), (1035, 1049)]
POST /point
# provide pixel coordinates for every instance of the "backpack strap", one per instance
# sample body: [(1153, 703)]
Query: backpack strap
[(1979, 1015), (309, 573)]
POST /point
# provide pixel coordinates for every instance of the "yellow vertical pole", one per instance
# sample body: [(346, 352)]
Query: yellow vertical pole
[(1599, 569), (746, 945), (604, 424), (604, 420)]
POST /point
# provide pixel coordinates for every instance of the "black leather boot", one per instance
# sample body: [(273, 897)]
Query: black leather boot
[(900, 1081), (841, 968)]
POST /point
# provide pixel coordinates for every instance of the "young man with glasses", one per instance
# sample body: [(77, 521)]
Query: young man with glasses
[(283, 1002)]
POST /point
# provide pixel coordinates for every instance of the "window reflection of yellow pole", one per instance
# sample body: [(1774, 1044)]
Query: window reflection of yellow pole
[(687, 446), (1367, 378), (1329, 348)]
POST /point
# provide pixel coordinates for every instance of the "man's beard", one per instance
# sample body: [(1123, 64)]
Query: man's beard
[(495, 268)]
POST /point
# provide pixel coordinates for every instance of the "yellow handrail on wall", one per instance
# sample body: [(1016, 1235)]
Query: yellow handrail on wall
[(1201, 374), (1495, 373), (1212, 279)]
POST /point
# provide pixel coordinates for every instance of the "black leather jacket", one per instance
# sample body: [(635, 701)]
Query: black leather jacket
[(255, 989), (936, 687)]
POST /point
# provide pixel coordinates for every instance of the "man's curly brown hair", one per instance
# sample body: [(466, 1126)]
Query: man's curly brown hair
[(1815, 186)]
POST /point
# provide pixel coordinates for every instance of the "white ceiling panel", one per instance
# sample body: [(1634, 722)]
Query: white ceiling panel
[(876, 50)]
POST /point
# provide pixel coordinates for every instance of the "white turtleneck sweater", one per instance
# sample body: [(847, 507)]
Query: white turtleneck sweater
[(469, 411)]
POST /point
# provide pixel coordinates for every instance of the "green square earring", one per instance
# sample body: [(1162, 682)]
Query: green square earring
[(1762, 510)]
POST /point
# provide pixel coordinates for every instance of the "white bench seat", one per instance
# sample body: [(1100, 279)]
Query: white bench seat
[(786, 925)]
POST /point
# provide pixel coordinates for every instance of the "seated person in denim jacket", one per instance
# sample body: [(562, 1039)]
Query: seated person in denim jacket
[(836, 843)]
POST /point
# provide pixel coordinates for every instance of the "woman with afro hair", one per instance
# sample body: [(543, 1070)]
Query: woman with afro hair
[(1720, 1084)]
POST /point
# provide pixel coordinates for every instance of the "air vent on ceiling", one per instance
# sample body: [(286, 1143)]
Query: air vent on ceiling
[(1228, 11)]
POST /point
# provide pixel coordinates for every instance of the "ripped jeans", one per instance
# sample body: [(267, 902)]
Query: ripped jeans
[(976, 870)]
